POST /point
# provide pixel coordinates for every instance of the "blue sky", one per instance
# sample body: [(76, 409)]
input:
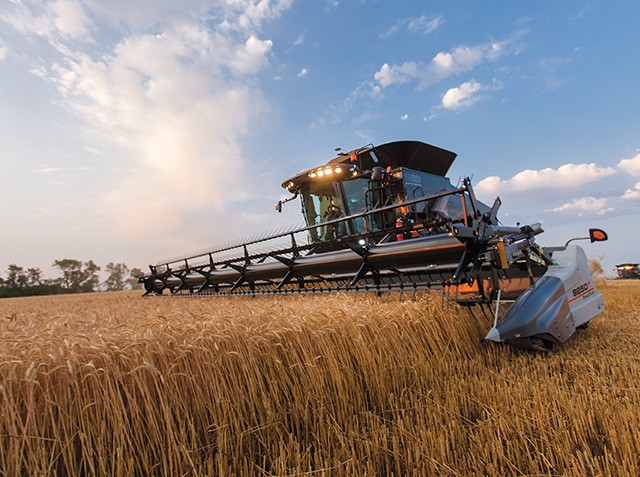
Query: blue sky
[(135, 130)]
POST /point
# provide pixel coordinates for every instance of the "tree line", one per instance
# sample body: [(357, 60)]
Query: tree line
[(75, 276)]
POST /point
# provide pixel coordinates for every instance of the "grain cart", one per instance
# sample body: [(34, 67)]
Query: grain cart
[(387, 219)]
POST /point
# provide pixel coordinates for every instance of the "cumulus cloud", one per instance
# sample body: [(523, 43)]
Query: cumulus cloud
[(564, 177), (252, 56), (632, 194), (251, 14), (174, 95), (404, 117), (591, 205), (631, 166), (444, 64), (462, 96), (303, 72), (181, 120), (397, 74)]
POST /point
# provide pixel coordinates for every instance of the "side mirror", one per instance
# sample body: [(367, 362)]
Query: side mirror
[(283, 201), (597, 235)]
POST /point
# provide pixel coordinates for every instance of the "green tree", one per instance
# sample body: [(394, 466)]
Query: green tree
[(77, 277), (117, 276), (34, 277), (132, 281), (21, 282), (16, 277)]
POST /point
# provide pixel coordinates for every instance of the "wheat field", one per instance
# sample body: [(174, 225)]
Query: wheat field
[(342, 385)]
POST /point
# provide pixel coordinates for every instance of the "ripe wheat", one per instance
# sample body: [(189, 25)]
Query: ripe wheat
[(113, 384)]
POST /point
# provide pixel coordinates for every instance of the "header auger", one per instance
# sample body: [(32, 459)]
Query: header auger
[(385, 218)]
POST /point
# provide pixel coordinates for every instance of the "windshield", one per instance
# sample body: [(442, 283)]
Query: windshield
[(320, 203), (355, 192)]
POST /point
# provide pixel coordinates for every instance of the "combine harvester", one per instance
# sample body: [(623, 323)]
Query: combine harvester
[(385, 218)]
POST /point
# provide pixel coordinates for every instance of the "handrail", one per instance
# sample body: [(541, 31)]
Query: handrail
[(224, 248)]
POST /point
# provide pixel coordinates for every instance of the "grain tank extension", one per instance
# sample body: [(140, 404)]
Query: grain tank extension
[(386, 218)]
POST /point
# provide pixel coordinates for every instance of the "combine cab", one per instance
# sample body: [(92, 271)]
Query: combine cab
[(385, 218)]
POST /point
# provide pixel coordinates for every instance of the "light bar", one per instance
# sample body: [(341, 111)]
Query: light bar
[(329, 170)]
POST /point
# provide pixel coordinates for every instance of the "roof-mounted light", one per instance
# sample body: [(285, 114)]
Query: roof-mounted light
[(330, 170)]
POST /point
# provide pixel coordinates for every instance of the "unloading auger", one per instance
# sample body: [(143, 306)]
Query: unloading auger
[(386, 219)]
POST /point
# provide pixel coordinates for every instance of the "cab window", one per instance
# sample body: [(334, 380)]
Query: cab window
[(320, 204)]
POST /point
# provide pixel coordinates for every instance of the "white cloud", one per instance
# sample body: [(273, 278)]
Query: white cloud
[(462, 96), (299, 40), (444, 64), (397, 74), (303, 72), (565, 176), (631, 166), (459, 60), (423, 24), (21, 19), (252, 13), (143, 14), (404, 117), (632, 194), (57, 21), (70, 18), (583, 205), (184, 138), (252, 56), (335, 112), (238, 15), (174, 104)]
